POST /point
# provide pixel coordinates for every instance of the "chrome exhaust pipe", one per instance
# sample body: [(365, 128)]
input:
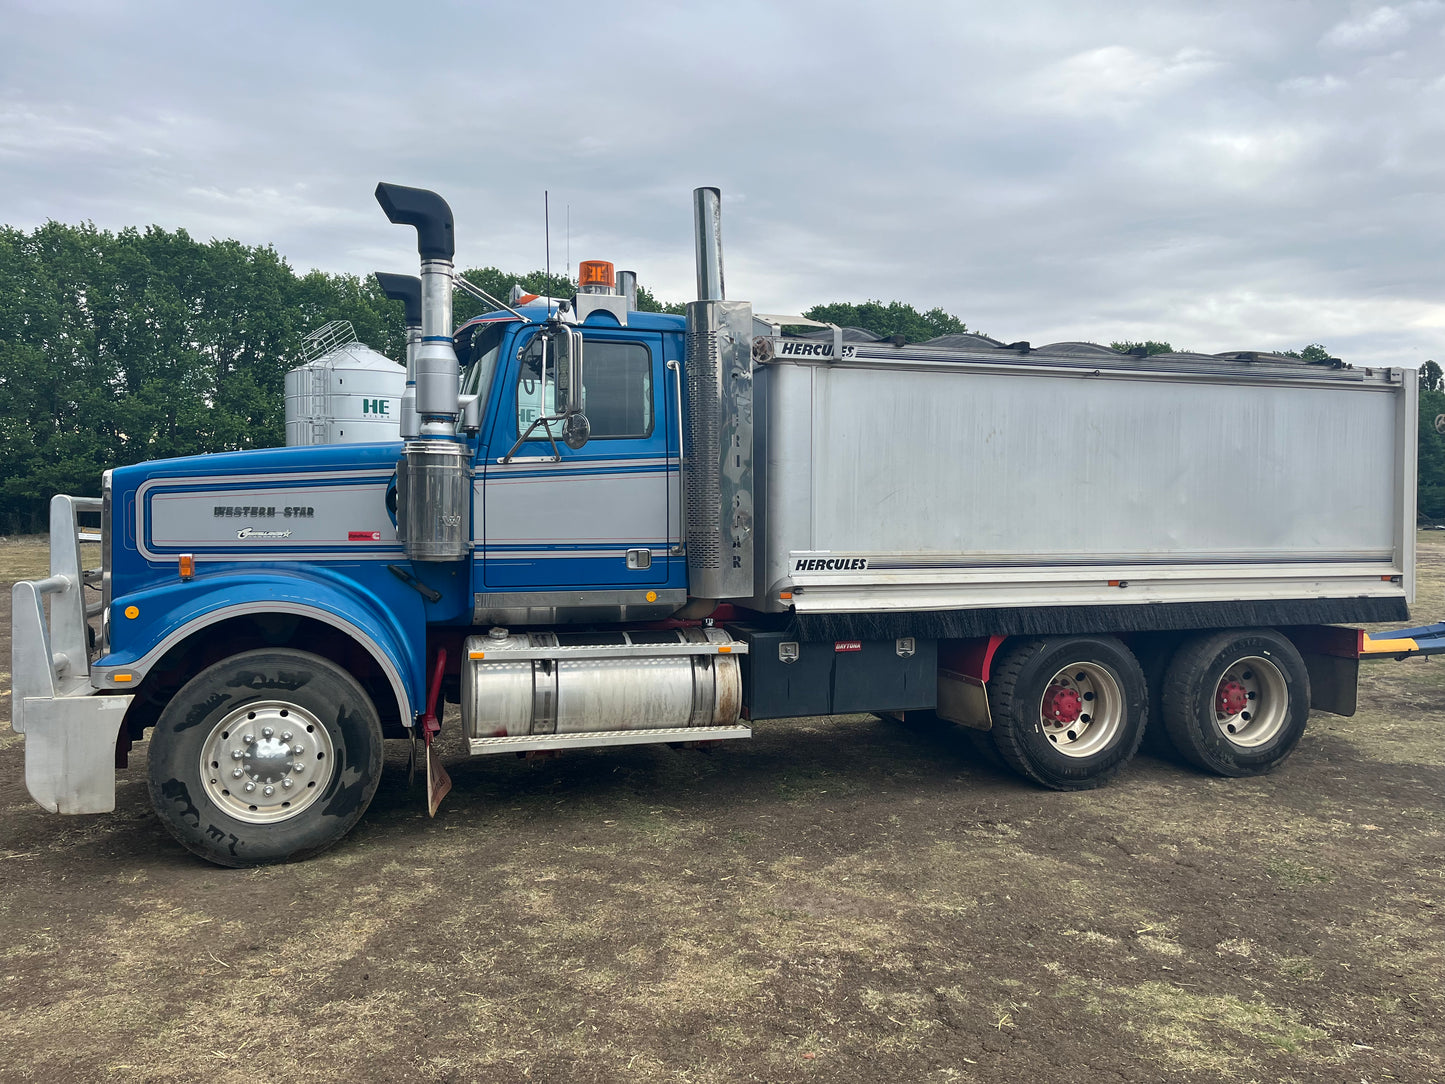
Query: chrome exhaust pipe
[(718, 468), (707, 227), (407, 290), (627, 287), (434, 475), (437, 373)]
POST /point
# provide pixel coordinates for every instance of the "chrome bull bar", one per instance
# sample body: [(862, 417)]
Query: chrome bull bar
[(69, 731)]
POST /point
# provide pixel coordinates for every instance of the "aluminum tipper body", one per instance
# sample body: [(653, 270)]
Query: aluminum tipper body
[(611, 527)]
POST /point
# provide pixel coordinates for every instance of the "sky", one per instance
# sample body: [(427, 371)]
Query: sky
[(1217, 175)]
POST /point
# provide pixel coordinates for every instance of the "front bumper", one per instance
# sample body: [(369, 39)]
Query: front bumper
[(70, 731)]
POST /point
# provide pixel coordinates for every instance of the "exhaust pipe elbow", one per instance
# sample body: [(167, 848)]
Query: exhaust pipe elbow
[(403, 288), (428, 212)]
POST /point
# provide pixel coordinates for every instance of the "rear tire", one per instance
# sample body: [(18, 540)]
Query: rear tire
[(1236, 702), (266, 756), (1068, 712)]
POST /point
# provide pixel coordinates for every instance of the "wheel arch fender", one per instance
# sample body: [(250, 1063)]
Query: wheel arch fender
[(378, 626)]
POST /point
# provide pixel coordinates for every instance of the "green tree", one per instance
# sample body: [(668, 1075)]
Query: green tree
[(894, 318), (121, 347), (1431, 460), (1149, 346), (647, 302), (1430, 377), (1312, 352)]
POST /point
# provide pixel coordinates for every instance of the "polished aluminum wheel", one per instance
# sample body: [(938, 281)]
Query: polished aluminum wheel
[(267, 761), (1251, 702), (1082, 709)]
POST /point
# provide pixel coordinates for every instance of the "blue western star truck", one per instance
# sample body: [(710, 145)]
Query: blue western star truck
[(604, 527)]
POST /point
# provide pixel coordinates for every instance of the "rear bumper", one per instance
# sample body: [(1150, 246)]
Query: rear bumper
[(70, 731)]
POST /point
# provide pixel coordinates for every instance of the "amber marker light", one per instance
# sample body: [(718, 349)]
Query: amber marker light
[(187, 565), (122, 678), (477, 655), (595, 273)]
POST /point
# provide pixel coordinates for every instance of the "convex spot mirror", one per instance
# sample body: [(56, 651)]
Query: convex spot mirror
[(575, 430)]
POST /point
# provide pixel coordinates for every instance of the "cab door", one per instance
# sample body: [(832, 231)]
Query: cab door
[(593, 517)]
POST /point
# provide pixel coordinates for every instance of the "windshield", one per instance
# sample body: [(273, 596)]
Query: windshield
[(480, 364)]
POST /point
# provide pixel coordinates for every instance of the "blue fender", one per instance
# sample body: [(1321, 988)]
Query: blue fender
[(383, 615)]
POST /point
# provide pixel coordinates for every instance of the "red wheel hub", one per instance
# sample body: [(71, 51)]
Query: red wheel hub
[(1232, 698), (1062, 704)]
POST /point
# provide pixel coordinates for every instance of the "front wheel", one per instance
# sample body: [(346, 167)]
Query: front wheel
[(1068, 712), (268, 755), (1236, 702)]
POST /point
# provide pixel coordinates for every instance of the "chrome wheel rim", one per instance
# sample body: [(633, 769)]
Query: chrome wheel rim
[(1082, 709), (1251, 702), (267, 762)]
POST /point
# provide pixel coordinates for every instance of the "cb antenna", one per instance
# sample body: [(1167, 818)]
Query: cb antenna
[(547, 236)]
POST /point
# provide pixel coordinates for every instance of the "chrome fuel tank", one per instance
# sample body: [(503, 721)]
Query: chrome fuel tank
[(547, 683)]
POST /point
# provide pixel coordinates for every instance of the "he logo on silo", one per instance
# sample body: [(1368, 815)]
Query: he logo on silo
[(376, 406)]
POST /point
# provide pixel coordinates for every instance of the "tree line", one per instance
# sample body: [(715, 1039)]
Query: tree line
[(144, 344)]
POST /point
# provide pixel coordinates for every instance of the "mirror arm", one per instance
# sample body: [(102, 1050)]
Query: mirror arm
[(476, 291)]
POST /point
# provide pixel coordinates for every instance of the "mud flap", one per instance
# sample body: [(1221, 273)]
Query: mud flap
[(438, 783)]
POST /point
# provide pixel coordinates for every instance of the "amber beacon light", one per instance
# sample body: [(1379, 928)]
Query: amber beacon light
[(595, 273)]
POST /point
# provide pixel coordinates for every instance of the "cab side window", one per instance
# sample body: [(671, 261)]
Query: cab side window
[(616, 390)]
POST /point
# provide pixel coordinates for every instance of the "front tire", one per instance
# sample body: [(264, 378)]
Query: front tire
[(1068, 712), (269, 755), (1236, 702)]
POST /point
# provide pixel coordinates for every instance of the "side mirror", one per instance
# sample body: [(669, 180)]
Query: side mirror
[(567, 350)]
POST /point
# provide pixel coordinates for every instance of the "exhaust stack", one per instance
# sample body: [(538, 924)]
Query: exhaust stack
[(718, 468), (627, 287), (407, 289), (433, 478), (437, 387), (707, 229)]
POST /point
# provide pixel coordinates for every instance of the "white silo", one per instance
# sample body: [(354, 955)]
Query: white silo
[(345, 393)]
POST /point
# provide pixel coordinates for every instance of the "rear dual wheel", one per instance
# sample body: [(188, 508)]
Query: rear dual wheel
[(1236, 702), (1068, 712)]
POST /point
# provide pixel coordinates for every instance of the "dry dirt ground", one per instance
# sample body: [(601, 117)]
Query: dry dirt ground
[(850, 899)]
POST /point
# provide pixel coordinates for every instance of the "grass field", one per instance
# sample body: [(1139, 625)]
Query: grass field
[(846, 899)]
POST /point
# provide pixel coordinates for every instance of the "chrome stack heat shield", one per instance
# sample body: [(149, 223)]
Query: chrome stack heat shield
[(433, 482)]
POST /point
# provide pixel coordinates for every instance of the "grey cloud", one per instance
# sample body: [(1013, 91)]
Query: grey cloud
[(1220, 175)]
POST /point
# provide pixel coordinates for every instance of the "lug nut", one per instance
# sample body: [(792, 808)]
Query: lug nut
[(268, 791), (250, 787), (286, 736), (249, 739), (286, 782), (298, 749), (236, 773), (298, 767), (266, 732), (236, 754)]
